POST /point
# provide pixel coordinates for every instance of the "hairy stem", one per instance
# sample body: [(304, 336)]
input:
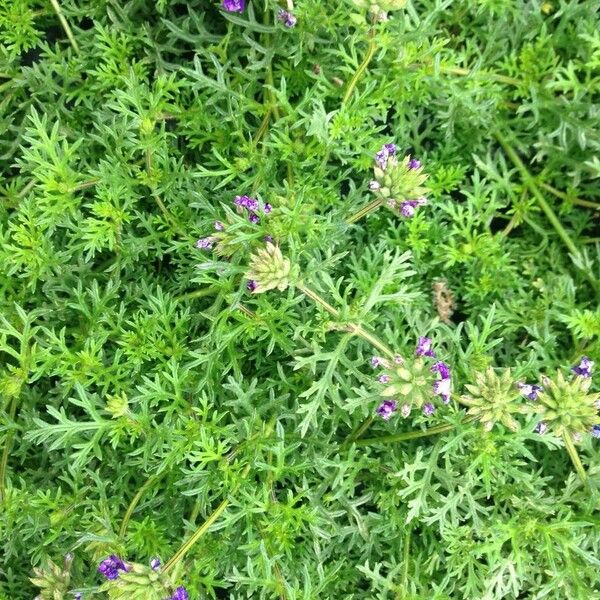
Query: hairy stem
[(572, 450), (355, 329), (361, 68), (65, 24), (12, 411), (529, 181), (188, 544), (364, 211), (135, 501), (411, 435), (567, 198)]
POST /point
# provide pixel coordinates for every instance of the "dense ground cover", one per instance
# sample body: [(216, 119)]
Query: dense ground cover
[(221, 294)]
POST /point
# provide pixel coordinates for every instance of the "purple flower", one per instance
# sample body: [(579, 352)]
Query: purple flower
[(376, 362), (405, 410), (381, 157), (428, 409), (374, 185), (219, 226), (541, 428), (180, 594), (287, 18), (424, 347), (234, 5), (584, 368), (251, 285), (155, 563), (386, 409), (441, 387), (246, 202), (77, 596), (442, 368), (111, 566), (529, 391), (268, 238), (384, 378), (407, 208), (398, 359), (595, 431), (205, 243), (267, 208), (254, 218), (413, 163)]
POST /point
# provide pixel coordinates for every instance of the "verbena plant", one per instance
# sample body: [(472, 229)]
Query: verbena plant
[(299, 300)]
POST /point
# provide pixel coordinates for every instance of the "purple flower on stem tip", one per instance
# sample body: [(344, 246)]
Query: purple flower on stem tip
[(219, 226), (384, 378), (246, 202), (374, 185), (540, 428), (180, 594), (205, 243), (267, 208), (413, 163), (287, 18), (77, 596), (595, 431), (424, 347), (386, 409), (398, 359), (405, 410), (155, 563), (376, 362), (442, 368), (407, 208), (111, 566), (584, 368), (428, 409), (441, 387), (381, 157), (254, 218), (268, 238), (251, 285), (234, 5), (529, 391)]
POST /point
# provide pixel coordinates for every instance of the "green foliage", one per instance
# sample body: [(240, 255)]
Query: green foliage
[(144, 390)]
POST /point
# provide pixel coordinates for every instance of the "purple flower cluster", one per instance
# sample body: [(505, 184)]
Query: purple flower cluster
[(584, 368), (424, 347), (251, 285), (386, 409), (252, 206), (110, 567), (441, 387), (155, 563), (408, 207), (530, 391), (382, 157), (413, 164), (287, 18), (234, 5), (180, 594)]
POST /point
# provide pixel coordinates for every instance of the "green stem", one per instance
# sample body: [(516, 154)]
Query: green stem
[(207, 291), (361, 69), (411, 435), (12, 411), (187, 545), (533, 188), (567, 198), (358, 431), (365, 210), (406, 559), (135, 501), (572, 450), (482, 75), (65, 24), (356, 329)]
